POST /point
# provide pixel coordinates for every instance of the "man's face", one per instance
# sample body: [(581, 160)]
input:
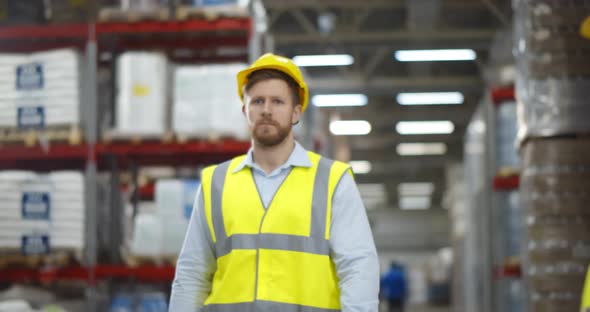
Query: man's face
[(270, 111)]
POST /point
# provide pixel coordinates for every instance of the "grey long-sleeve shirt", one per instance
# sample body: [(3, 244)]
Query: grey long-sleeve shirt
[(351, 243)]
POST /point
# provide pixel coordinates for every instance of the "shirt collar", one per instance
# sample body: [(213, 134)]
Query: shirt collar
[(298, 158)]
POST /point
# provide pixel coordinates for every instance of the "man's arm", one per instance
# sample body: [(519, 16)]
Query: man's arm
[(196, 264), (353, 250)]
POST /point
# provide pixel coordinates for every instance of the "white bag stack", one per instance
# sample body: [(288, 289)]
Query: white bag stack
[(174, 202), (40, 89), (142, 93), (206, 102), (68, 203), (39, 213), (162, 232)]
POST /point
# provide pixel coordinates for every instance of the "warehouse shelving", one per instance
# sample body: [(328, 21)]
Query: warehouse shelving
[(144, 273), (491, 244), (63, 156), (93, 156)]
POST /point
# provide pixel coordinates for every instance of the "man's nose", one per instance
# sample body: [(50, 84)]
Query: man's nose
[(266, 107)]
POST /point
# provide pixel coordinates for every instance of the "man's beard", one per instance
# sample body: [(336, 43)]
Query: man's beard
[(263, 136)]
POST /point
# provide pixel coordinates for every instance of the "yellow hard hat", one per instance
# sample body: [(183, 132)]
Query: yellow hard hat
[(283, 64), (585, 29)]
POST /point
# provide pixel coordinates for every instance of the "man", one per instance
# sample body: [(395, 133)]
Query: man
[(393, 287), (281, 228)]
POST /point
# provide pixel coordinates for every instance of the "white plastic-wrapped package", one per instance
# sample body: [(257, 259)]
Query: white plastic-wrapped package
[(40, 89), (41, 212), (147, 235), (142, 93), (229, 7), (174, 203), (175, 198), (206, 102)]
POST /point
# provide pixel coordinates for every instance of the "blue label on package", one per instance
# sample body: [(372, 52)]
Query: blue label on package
[(36, 206), (31, 117), (29, 76), (35, 244)]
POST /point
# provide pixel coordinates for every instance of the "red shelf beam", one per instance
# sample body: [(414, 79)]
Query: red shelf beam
[(81, 31), (506, 183), (503, 94), (150, 153), (147, 273), (150, 27), (507, 271)]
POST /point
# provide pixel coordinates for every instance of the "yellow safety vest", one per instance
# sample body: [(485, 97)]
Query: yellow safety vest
[(274, 259), (586, 294)]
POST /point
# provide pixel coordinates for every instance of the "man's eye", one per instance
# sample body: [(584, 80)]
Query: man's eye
[(258, 101), (277, 101)]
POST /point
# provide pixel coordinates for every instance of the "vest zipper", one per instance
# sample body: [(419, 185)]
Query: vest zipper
[(260, 226), (258, 255)]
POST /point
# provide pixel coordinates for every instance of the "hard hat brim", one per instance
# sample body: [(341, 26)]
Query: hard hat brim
[(242, 78)]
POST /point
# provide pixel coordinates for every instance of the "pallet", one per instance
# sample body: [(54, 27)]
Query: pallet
[(72, 134), (113, 136), (212, 138), (135, 261), (12, 258), (116, 14), (184, 13)]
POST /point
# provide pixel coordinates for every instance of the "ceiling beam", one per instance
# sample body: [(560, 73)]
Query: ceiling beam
[(458, 114), (390, 140), (463, 35), (388, 86), (379, 154)]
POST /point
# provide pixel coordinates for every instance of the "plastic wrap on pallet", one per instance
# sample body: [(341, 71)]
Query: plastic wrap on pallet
[(40, 89), (39, 213), (142, 93), (506, 125), (553, 62), (206, 102), (555, 190), (553, 107)]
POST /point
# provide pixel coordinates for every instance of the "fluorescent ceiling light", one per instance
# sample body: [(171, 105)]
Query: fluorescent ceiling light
[(331, 100), (350, 127), (360, 166), (424, 127), (415, 189), (420, 149), (323, 60), (435, 55), (430, 98), (414, 202)]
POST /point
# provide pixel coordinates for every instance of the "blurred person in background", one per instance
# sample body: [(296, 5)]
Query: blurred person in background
[(280, 228), (394, 287)]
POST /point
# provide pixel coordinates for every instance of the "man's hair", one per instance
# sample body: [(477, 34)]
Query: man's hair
[(267, 74)]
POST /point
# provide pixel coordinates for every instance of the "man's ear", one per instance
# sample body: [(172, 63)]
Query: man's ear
[(244, 109), (296, 116)]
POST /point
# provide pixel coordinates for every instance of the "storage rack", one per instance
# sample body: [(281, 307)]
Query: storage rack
[(94, 156)]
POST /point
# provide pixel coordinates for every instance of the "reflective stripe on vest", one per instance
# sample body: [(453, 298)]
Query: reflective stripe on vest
[(586, 294), (262, 306), (278, 257)]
